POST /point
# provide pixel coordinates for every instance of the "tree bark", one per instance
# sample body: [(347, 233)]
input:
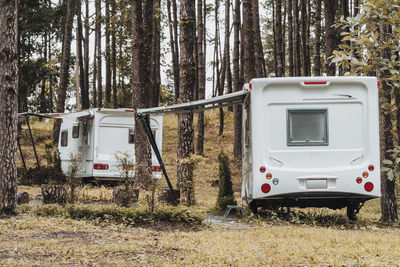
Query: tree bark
[(330, 36), (237, 85), (85, 99), (185, 144), (290, 37), (83, 92), (280, 71), (114, 54), (64, 72), (54, 194), (248, 41), (317, 39), (94, 81), (176, 48), (8, 105), (201, 75), (259, 54), (99, 63), (296, 43), (155, 55), (304, 18), (142, 16), (108, 54)]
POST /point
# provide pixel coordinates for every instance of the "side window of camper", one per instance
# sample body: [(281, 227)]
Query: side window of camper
[(154, 133), (307, 127), (64, 138), (131, 137), (75, 130)]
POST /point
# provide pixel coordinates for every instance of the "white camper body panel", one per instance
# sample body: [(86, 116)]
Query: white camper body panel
[(338, 118), (102, 134)]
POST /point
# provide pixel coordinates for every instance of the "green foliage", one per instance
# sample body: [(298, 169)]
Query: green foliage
[(225, 192), (43, 175), (129, 216)]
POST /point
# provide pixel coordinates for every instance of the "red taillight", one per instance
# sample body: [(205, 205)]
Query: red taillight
[(265, 188), (250, 85), (371, 168), (379, 83), (262, 169), (100, 166), (156, 168), (359, 180), (315, 82), (130, 110), (369, 186)]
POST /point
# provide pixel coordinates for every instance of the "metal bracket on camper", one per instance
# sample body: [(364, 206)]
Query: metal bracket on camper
[(146, 126)]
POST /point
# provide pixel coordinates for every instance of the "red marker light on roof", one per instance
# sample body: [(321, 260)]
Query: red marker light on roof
[(314, 82)]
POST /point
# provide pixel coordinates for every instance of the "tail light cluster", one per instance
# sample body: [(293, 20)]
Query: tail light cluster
[(266, 188), (368, 186), (156, 168), (100, 166)]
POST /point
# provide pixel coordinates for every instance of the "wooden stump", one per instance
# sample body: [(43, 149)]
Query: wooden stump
[(22, 198), (124, 197), (54, 194), (165, 196)]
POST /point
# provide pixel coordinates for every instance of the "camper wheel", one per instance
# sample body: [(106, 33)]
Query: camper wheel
[(353, 208), (253, 207)]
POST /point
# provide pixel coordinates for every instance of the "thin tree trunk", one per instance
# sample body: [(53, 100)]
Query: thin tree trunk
[(201, 76), (99, 63), (155, 56), (85, 97), (317, 39), (290, 37), (108, 54), (259, 54), (283, 59), (114, 54), (304, 37), (8, 105), (175, 67), (94, 81), (66, 57), (185, 144), (142, 16), (330, 36), (248, 32), (176, 58), (237, 85), (278, 46), (296, 43)]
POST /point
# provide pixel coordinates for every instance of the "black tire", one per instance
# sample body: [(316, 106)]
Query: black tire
[(352, 210), (253, 207)]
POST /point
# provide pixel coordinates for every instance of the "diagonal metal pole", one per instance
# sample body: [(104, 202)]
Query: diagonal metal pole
[(146, 126), (22, 155), (33, 142)]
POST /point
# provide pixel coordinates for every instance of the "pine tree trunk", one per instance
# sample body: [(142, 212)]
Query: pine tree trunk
[(201, 76), (296, 41), (248, 40), (114, 55), (237, 85), (66, 57), (304, 37), (290, 37), (108, 54), (85, 99), (278, 45), (259, 54), (175, 59), (330, 36), (8, 105), (155, 56), (142, 16), (185, 146), (99, 63), (79, 36), (94, 81), (317, 39)]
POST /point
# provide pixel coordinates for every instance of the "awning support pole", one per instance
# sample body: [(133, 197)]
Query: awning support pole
[(146, 126), (20, 152), (33, 143)]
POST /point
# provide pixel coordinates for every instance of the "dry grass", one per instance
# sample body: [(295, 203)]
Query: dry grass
[(305, 237)]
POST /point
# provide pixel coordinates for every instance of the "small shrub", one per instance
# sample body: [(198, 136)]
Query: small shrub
[(225, 192), (43, 175)]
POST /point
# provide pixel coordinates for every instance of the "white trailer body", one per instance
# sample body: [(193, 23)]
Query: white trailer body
[(311, 141), (96, 136)]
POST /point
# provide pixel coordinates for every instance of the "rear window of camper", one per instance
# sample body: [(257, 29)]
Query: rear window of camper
[(307, 127), (64, 138), (75, 131)]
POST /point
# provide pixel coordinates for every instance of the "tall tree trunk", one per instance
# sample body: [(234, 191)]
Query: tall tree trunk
[(201, 76), (175, 67), (330, 36), (290, 37), (216, 47), (85, 97), (83, 92), (8, 104), (99, 63), (108, 54), (64, 72), (303, 19), (237, 85), (259, 54), (248, 41), (296, 43), (227, 50), (185, 144), (176, 48), (94, 81), (317, 39), (155, 55), (280, 70), (142, 16), (114, 54)]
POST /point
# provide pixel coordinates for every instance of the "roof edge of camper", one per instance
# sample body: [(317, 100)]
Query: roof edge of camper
[(199, 105)]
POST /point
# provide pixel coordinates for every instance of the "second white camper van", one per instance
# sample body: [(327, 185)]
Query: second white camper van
[(96, 136)]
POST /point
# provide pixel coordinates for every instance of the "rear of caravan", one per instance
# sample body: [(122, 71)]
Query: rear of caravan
[(311, 141), (97, 137)]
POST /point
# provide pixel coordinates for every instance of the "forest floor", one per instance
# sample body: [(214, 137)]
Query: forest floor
[(303, 237)]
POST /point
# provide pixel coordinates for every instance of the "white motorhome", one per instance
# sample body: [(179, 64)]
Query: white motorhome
[(307, 141), (96, 136)]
